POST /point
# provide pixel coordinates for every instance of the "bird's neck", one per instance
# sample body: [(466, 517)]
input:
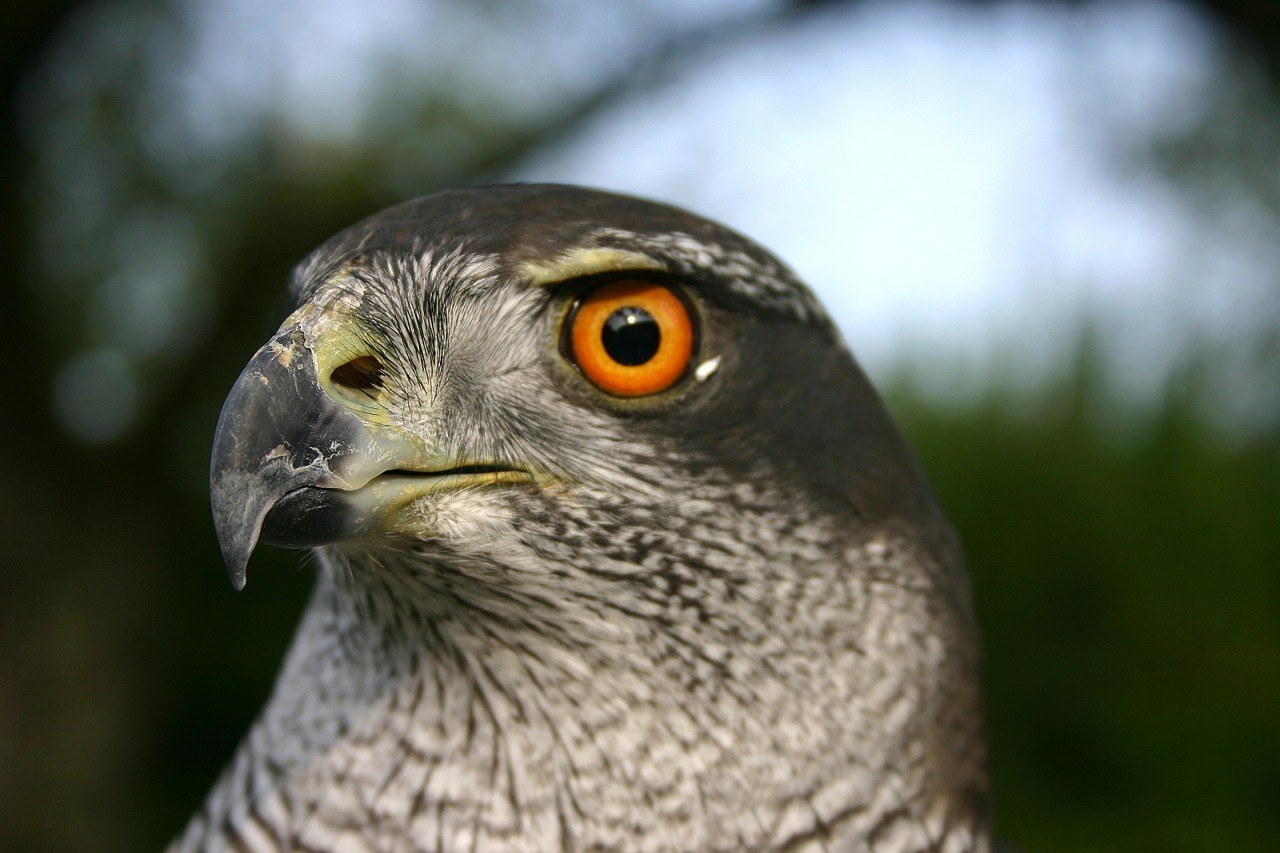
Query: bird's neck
[(468, 716)]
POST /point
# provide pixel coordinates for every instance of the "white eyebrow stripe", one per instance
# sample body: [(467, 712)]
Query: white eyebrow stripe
[(588, 261)]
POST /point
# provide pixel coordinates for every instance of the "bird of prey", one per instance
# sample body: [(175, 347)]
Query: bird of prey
[(617, 549)]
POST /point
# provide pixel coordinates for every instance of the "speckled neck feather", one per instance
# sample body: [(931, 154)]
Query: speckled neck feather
[(687, 696)]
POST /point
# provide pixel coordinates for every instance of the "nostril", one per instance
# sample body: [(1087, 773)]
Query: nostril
[(362, 374)]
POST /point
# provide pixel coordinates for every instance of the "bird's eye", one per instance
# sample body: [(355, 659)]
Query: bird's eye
[(631, 337)]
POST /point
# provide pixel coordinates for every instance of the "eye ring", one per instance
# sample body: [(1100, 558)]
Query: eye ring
[(631, 337)]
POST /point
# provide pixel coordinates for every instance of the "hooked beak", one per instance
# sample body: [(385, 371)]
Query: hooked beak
[(295, 467), (278, 434)]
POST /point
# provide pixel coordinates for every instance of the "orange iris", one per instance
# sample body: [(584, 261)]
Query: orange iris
[(632, 337)]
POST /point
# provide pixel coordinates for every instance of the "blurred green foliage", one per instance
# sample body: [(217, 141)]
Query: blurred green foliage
[(1126, 571), (1129, 597)]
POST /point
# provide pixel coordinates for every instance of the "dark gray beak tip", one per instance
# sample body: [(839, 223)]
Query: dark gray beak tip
[(238, 509)]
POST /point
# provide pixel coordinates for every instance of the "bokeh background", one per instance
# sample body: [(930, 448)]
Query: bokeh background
[(1050, 231)]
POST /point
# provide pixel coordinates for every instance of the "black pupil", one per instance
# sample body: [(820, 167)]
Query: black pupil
[(631, 336)]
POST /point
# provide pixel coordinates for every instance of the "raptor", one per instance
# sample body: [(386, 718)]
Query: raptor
[(617, 549)]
